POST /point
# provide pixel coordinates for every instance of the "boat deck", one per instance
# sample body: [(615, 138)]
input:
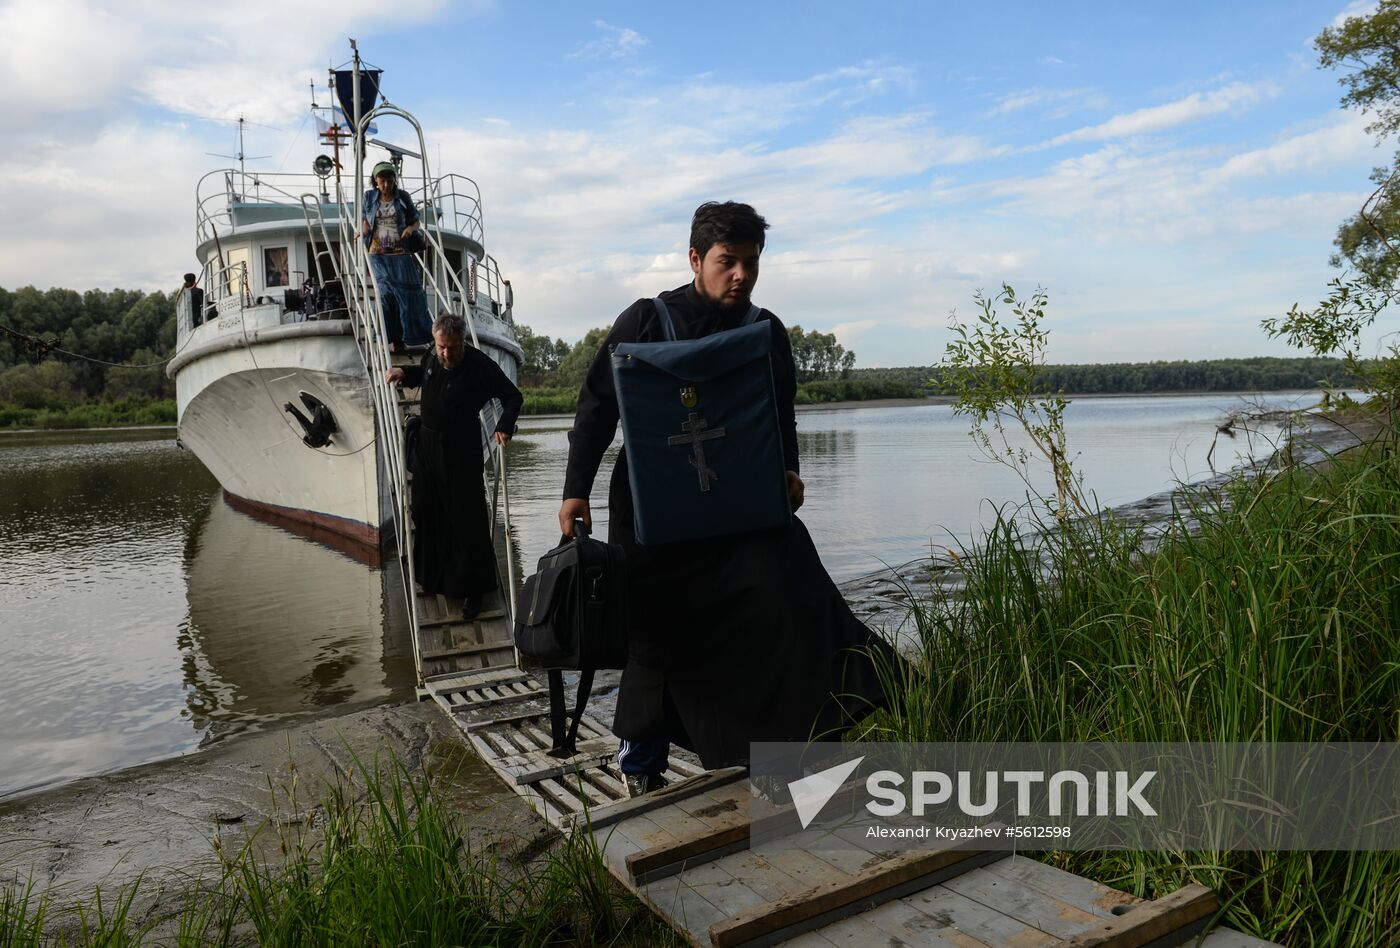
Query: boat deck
[(686, 849)]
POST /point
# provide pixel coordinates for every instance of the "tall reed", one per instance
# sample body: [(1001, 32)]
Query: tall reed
[(1266, 611)]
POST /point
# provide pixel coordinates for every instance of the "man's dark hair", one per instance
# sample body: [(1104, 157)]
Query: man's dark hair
[(727, 223), (189, 279), (450, 323)]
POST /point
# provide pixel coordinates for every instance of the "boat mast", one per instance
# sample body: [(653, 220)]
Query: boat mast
[(358, 142)]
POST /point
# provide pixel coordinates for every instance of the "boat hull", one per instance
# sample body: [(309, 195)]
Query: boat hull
[(231, 402)]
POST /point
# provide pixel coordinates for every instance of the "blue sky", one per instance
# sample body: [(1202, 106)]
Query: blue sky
[(1171, 174)]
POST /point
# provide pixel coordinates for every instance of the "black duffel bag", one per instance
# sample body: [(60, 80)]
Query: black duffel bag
[(572, 615)]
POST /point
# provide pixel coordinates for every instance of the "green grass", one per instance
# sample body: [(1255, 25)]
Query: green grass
[(1270, 611), (379, 862), (549, 401)]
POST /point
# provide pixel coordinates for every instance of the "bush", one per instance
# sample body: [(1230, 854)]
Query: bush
[(550, 401), (853, 390)]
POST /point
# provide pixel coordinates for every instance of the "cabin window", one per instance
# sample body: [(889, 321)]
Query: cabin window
[(276, 271)]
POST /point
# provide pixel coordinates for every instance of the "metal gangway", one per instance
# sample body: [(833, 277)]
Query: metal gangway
[(444, 644)]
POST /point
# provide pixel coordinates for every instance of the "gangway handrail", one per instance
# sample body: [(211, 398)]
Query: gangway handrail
[(377, 363)]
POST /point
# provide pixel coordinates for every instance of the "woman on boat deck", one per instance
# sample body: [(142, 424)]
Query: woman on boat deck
[(389, 217)]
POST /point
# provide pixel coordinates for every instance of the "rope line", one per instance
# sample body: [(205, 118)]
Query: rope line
[(33, 345)]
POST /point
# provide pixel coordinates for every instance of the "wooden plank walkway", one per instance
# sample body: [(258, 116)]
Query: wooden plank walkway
[(687, 855), (687, 851)]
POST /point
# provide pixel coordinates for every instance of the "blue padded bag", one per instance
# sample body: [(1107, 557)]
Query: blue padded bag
[(700, 428)]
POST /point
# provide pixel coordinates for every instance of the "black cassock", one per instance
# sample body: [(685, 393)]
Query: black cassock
[(734, 639), (452, 552)]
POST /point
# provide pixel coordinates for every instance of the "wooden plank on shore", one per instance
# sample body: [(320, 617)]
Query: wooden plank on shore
[(904, 873), (496, 704), (898, 922), (686, 909), (1024, 903), (539, 765), (1186, 910), (974, 921), (1078, 891), (457, 651), (688, 852), (666, 796), (456, 619), (465, 681)]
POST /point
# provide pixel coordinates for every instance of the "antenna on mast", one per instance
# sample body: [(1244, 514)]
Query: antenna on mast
[(240, 156)]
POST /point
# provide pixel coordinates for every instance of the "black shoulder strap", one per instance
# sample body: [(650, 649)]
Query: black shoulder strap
[(668, 328), (565, 743), (663, 315)]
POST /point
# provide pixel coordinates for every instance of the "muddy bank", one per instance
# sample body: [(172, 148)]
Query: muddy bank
[(160, 821)]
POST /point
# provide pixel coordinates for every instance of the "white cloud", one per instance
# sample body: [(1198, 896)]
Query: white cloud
[(1335, 145), (617, 42), (205, 60), (1064, 100), (1234, 97), (1355, 8)]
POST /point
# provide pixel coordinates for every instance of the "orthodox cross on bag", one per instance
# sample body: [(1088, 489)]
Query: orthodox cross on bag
[(697, 432)]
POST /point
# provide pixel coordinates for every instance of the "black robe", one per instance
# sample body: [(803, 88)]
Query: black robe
[(734, 639), (452, 552)]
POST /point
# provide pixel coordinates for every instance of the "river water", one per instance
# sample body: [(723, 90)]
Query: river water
[(142, 617)]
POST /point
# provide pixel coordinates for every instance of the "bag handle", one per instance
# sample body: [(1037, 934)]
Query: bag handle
[(668, 329)]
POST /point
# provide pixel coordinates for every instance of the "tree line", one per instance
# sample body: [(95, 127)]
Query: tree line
[(1260, 374), (122, 327), (41, 386), (558, 364)]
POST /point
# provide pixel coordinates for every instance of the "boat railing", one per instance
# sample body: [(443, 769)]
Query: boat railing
[(452, 201), (313, 212), (457, 201), (229, 287), (220, 194), (487, 275)]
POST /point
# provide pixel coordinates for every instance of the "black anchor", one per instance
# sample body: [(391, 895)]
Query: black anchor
[(320, 426)]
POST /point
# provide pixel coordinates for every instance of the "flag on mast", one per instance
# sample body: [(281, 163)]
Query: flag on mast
[(339, 123)]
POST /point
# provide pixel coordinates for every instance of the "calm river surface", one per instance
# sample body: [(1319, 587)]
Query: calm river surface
[(141, 617)]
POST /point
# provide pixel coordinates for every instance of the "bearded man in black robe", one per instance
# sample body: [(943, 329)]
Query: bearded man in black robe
[(452, 552), (734, 639)]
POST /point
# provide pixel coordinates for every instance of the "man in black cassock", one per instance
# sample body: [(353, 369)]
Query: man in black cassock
[(738, 638), (452, 552)]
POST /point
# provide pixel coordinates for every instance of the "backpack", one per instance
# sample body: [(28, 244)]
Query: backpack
[(700, 429)]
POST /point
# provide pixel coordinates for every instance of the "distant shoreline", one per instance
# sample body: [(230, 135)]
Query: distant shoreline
[(816, 406)]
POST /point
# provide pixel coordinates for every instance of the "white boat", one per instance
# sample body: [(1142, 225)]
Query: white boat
[(271, 377)]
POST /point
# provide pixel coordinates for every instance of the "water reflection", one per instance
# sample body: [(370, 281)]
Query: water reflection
[(280, 624), (141, 617)]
